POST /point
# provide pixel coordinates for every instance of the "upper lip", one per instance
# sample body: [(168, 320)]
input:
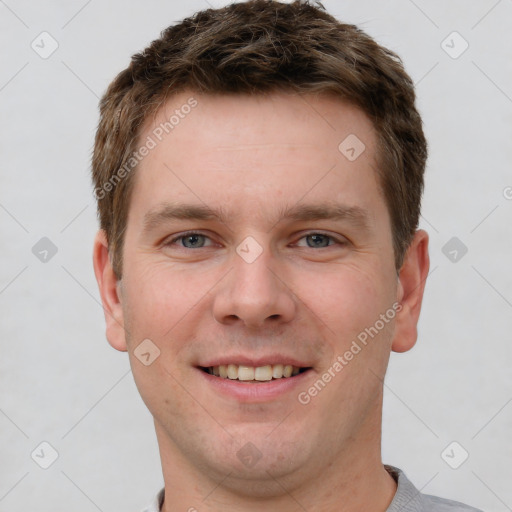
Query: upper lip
[(242, 360)]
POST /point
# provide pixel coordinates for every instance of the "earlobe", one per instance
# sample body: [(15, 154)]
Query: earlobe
[(411, 285), (110, 293)]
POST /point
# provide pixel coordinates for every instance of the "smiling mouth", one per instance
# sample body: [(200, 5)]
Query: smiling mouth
[(253, 374)]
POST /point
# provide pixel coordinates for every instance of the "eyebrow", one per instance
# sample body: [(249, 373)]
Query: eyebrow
[(167, 212)]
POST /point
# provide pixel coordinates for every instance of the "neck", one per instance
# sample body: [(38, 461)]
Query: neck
[(352, 479)]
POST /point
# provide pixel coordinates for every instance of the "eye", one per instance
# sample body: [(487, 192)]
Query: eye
[(320, 240), (195, 240), (190, 240)]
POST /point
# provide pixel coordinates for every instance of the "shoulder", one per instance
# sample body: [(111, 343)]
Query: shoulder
[(409, 499), (444, 505), (156, 504)]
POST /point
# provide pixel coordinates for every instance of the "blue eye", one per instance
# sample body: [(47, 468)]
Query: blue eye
[(190, 240), (194, 240), (320, 240)]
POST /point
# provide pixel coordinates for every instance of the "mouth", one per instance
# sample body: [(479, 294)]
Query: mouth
[(254, 375)]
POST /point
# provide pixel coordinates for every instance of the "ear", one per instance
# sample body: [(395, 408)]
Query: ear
[(411, 284), (110, 292)]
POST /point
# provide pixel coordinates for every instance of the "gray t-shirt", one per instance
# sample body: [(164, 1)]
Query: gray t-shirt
[(407, 498)]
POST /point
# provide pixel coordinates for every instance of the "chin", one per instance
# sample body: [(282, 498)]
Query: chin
[(259, 458)]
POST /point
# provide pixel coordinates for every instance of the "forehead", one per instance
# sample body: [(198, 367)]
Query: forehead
[(259, 118), (246, 150)]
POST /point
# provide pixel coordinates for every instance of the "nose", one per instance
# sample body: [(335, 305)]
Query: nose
[(255, 294)]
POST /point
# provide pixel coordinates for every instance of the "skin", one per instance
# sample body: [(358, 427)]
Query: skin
[(255, 156)]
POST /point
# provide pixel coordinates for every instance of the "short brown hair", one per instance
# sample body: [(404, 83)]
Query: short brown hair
[(256, 47)]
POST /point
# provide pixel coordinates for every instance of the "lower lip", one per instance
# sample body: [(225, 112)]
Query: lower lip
[(253, 393)]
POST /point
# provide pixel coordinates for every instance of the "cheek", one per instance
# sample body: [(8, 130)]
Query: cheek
[(345, 299), (159, 297), (156, 305)]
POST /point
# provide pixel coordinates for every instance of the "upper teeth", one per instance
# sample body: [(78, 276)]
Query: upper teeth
[(261, 373)]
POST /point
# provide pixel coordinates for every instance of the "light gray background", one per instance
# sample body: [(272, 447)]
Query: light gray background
[(60, 380)]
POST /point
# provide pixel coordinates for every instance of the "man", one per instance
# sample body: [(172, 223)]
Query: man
[(258, 171)]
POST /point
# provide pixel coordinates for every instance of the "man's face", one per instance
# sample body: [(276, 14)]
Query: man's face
[(259, 286)]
